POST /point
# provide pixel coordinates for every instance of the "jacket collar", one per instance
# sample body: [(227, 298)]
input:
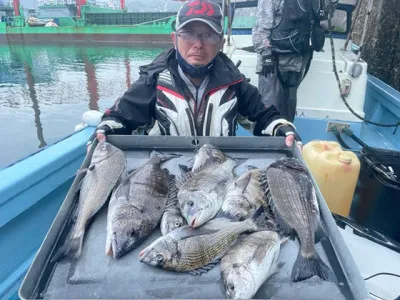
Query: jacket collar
[(223, 73)]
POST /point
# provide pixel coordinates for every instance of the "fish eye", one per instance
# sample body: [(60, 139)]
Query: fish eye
[(239, 217), (230, 287), (177, 224), (190, 203), (132, 233), (159, 258)]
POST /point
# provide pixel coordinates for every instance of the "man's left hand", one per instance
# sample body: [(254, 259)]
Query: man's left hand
[(289, 140), (290, 134)]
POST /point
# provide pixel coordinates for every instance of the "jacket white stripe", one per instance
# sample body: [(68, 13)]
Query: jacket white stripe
[(182, 120), (219, 125)]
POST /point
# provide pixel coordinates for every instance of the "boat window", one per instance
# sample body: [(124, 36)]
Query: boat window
[(339, 21), (244, 18)]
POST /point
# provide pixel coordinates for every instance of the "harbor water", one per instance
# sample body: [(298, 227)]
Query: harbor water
[(44, 90)]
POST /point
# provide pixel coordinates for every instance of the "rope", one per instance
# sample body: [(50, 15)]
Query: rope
[(396, 125), (361, 46)]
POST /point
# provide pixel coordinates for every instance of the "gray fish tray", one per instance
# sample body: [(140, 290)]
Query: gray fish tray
[(96, 275)]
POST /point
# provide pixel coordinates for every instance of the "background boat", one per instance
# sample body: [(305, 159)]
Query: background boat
[(83, 23)]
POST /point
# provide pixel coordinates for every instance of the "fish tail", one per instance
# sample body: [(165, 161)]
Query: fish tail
[(72, 247), (252, 220), (258, 212), (306, 267)]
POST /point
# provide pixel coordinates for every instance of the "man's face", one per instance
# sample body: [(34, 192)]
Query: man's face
[(195, 50)]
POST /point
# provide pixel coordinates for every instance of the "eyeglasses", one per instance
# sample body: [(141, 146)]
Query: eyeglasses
[(209, 38)]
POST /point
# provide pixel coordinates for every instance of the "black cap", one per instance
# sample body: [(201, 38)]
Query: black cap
[(200, 10)]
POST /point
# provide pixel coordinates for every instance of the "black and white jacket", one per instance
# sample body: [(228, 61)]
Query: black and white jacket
[(161, 102)]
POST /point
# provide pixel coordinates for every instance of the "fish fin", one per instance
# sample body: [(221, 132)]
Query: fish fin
[(277, 268), (304, 268), (72, 248), (225, 215), (185, 178), (258, 212), (284, 240), (130, 172), (249, 167), (172, 197), (108, 251), (266, 226), (189, 232), (184, 169), (266, 220), (283, 228), (238, 162), (244, 182), (207, 267)]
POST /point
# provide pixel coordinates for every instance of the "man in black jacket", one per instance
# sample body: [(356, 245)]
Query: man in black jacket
[(193, 89)]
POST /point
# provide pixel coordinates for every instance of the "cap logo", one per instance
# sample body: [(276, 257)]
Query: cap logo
[(197, 9)]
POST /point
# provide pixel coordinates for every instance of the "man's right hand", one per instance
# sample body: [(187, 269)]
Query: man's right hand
[(100, 133)]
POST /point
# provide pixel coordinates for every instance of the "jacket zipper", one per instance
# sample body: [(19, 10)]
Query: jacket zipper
[(223, 117), (191, 121), (216, 89)]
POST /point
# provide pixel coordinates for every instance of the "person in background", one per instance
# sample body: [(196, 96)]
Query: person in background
[(281, 37), (193, 89)]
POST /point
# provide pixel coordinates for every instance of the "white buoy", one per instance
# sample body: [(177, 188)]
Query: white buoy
[(80, 126), (92, 117)]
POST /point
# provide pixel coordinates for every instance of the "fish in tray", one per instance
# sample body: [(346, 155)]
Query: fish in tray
[(202, 191), (172, 217), (249, 263), (107, 165), (294, 204), (244, 195), (195, 250), (137, 205), (208, 155)]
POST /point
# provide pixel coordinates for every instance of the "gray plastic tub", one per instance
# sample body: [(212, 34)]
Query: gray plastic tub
[(96, 275)]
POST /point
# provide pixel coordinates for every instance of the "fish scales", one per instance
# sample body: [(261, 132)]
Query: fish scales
[(249, 263), (201, 196), (106, 166), (244, 195), (299, 216), (110, 168), (137, 207), (188, 249), (208, 155), (197, 259), (172, 217), (294, 204)]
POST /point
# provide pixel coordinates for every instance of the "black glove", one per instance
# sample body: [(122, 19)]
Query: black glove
[(268, 66), (285, 130)]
